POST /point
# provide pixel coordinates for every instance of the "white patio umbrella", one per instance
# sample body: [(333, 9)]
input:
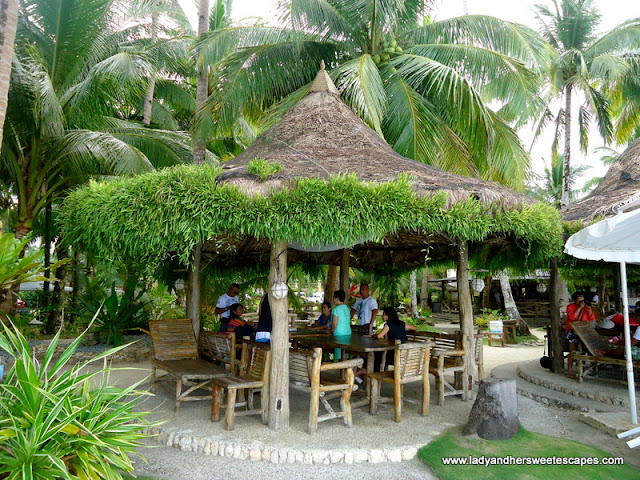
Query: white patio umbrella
[(615, 239)]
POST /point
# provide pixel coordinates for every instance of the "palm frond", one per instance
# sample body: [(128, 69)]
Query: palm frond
[(510, 39), (361, 86), (321, 17), (414, 128)]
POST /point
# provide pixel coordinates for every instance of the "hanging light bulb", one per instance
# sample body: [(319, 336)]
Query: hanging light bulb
[(541, 287), (279, 290)]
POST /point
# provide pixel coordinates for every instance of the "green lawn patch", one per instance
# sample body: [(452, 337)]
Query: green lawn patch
[(525, 445)]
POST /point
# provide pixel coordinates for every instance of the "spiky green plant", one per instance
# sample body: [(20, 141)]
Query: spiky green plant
[(62, 421)]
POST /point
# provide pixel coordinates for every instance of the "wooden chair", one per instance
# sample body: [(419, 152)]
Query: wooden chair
[(305, 373), (254, 374), (448, 357), (219, 347), (175, 351), (411, 364)]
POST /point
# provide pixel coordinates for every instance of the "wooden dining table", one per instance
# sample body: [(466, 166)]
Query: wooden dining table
[(351, 343)]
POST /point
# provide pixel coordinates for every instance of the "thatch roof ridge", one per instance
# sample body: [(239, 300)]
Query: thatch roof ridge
[(619, 187), (321, 136)]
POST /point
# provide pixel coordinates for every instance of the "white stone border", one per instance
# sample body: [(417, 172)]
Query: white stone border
[(211, 446)]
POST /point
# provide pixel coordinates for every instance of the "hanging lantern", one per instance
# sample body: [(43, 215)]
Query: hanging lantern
[(593, 289), (179, 285), (477, 284), (541, 287), (279, 290)]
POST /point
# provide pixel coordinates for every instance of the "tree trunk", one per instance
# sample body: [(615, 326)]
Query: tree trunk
[(332, 282), (202, 88), (46, 299), (510, 304), (486, 293), (617, 300), (279, 375), (494, 415), (555, 347), (148, 98), (8, 26), (413, 289), (76, 280), (566, 186), (344, 272), (424, 289), (466, 313), (56, 315), (194, 290)]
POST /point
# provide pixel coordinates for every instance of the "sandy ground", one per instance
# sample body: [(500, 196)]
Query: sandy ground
[(173, 464)]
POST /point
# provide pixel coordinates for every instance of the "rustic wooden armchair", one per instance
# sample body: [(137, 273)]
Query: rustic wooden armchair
[(411, 364), (175, 351), (254, 374), (305, 373), (449, 357), (219, 347)]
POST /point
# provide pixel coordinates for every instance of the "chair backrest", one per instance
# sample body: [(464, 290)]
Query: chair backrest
[(590, 338), (303, 364), (442, 341), (411, 360), (255, 360), (218, 347), (173, 339), (359, 329)]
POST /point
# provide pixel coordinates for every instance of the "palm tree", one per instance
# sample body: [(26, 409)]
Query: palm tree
[(550, 190), (8, 25), (73, 88), (585, 63), (423, 87)]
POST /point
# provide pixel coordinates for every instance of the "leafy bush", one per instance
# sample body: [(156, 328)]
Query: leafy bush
[(163, 304), (262, 168), (115, 315), (488, 315), (58, 422)]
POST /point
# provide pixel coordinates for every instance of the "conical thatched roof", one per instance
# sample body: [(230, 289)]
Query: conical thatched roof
[(620, 186), (321, 136)]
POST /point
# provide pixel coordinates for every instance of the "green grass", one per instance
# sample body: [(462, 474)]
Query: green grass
[(525, 338), (525, 444)]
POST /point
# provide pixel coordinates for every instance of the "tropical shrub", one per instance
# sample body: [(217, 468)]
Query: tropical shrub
[(488, 315), (263, 168), (116, 314), (58, 422)]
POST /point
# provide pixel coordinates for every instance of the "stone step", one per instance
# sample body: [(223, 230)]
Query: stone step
[(551, 397)]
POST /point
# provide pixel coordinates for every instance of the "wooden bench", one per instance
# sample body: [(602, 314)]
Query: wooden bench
[(218, 347), (447, 357), (175, 351), (594, 343), (305, 373), (254, 374)]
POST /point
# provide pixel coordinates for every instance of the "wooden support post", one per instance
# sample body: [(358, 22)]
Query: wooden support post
[(332, 282), (194, 289), (279, 373), (555, 347), (344, 272), (466, 313)]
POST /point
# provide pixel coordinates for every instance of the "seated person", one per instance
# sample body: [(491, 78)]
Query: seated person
[(394, 329), (237, 324), (324, 320), (577, 311), (619, 351)]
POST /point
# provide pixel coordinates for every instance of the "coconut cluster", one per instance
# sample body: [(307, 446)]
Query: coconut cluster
[(390, 49)]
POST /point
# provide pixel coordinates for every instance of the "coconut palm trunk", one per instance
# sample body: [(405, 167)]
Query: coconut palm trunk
[(510, 304), (413, 289), (148, 98), (8, 25), (566, 177)]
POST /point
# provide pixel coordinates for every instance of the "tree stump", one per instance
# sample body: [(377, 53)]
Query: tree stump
[(494, 415)]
